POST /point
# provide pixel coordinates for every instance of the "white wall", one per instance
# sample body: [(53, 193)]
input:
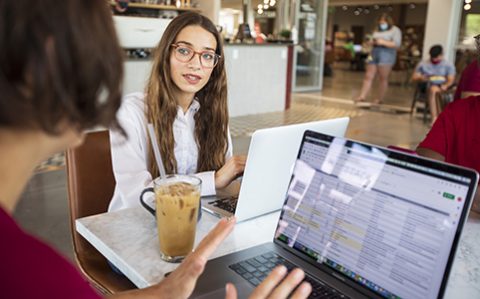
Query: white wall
[(135, 75), (211, 9), (443, 22), (257, 76)]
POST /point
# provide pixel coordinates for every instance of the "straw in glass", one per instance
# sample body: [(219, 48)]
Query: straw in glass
[(156, 151)]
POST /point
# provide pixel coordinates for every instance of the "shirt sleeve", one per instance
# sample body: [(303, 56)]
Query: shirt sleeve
[(419, 68), (129, 159), (397, 37), (451, 70)]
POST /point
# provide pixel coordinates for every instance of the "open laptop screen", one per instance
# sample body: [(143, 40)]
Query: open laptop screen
[(386, 220)]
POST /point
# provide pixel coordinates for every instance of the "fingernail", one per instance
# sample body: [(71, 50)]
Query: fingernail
[(299, 273), (230, 218), (305, 288)]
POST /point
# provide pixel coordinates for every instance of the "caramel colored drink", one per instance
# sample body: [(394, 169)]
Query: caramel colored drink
[(177, 201)]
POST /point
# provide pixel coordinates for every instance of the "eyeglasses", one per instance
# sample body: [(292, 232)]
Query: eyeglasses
[(208, 59)]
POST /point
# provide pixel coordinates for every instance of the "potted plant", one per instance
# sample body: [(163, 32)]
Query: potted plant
[(285, 34)]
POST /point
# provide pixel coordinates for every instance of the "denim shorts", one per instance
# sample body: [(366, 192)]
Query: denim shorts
[(382, 55)]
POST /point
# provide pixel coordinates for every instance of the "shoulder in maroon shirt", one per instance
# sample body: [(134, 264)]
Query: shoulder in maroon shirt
[(456, 133), (31, 269), (469, 80)]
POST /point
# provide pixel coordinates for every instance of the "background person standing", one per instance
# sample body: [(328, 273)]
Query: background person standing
[(386, 39)]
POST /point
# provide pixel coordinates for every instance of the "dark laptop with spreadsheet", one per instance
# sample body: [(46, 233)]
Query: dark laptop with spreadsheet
[(362, 221)]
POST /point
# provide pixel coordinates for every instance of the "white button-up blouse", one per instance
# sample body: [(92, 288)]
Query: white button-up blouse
[(130, 156)]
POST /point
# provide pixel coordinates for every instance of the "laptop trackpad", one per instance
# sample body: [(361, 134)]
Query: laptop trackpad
[(244, 289)]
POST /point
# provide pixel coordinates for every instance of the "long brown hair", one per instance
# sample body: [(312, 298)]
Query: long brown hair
[(59, 61), (211, 120)]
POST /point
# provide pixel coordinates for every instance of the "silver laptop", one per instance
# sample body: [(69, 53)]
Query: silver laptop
[(271, 155), (362, 221)]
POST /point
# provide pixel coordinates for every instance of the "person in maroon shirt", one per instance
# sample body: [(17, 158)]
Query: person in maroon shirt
[(455, 137), (469, 83), (61, 73)]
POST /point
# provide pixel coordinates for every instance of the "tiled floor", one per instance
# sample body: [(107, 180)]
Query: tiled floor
[(43, 208), (345, 84)]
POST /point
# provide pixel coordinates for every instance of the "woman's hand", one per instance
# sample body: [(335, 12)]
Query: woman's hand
[(230, 171), (272, 288), (377, 41), (444, 87)]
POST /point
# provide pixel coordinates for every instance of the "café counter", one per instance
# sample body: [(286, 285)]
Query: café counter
[(259, 77)]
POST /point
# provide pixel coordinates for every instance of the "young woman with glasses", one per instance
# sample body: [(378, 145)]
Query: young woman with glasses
[(186, 101)]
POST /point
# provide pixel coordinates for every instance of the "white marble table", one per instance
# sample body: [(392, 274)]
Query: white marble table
[(128, 239)]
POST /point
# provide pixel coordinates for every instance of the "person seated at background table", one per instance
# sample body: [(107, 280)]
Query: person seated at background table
[(186, 101), (61, 73), (455, 137), (437, 74)]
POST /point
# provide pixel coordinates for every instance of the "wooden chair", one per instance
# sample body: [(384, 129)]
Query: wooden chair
[(90, 188)]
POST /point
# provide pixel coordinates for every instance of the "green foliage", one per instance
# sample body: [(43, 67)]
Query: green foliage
[(285, 33)]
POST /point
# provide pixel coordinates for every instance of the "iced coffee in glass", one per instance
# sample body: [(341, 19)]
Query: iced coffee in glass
[(177, 203)]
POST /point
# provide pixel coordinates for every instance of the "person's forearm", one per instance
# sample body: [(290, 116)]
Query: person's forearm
[(417, 77), (450, 81), (389, 44)]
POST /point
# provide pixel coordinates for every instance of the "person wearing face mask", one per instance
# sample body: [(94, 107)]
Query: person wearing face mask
[(386, 39), (436, 75)]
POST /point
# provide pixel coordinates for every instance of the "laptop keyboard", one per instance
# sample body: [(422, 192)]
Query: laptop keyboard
[(255, 270), (228, 204)]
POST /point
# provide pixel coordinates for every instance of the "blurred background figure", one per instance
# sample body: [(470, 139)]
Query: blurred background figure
[(259, 36), (386, 39), (469, 83), (436, 75)]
